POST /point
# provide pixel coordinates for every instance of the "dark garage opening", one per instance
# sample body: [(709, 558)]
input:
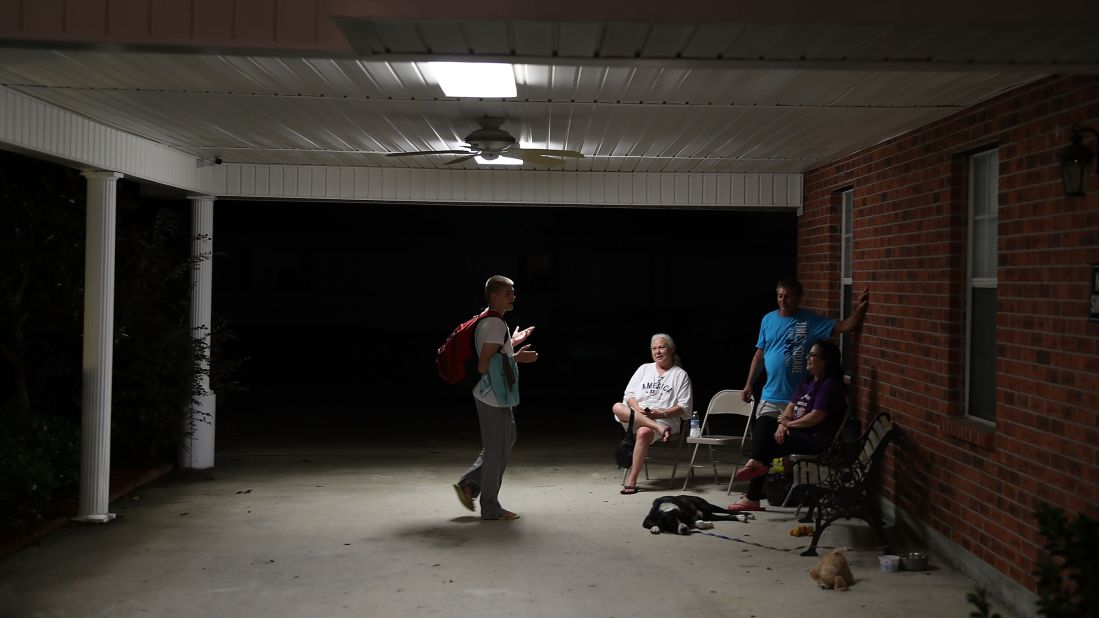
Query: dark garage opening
[(340, 307)]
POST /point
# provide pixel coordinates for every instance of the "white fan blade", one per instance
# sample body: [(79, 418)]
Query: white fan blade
[(426, 152), (460, 159), (536, 159), (543, 151)]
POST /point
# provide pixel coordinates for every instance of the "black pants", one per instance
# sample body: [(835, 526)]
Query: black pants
[(765, 449)]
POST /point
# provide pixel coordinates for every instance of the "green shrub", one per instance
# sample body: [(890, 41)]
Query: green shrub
[(1067, 584), (41, 462), (41, 288), (979, 599), (42, 219), (154, 364)]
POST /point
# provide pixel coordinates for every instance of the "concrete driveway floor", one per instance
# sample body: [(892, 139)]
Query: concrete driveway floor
[(295, 528)]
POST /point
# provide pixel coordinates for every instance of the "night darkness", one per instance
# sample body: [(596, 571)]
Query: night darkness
[(340, 307)]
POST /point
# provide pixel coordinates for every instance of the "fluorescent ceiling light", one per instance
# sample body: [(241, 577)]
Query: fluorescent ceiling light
[(487, 80), (499, 161)]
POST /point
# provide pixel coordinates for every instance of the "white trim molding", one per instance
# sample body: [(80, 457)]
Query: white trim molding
[(47, 130), (635, 189)]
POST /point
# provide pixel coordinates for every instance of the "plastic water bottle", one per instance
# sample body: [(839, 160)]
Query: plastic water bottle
[(696, 425)]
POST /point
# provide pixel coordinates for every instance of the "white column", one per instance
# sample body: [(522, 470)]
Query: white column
[(95, 436), (197, 450)]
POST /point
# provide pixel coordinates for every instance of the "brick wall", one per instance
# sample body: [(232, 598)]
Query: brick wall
[(976, 484)]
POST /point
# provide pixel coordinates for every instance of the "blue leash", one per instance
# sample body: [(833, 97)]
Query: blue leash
[(729, 538)]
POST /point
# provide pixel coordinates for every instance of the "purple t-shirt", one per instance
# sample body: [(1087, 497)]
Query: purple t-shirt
[(827, 395)]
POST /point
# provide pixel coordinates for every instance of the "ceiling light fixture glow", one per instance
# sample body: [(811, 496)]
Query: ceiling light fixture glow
[(489, 80), (498, 161)]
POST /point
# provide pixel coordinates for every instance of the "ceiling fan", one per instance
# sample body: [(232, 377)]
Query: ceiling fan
[(490, 142)]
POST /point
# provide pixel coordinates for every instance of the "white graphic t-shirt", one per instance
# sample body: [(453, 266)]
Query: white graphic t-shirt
[(653, 390)]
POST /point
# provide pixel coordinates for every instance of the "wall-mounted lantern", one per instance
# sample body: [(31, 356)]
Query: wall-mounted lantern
[(1076, 161)]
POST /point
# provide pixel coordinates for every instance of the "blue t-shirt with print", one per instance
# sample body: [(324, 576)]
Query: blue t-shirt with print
[(785, 342)]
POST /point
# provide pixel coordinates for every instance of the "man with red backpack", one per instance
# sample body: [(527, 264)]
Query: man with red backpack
[(495, 394)]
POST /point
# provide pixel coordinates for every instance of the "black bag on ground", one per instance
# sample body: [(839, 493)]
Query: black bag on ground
[(623, 455), (778, 485)]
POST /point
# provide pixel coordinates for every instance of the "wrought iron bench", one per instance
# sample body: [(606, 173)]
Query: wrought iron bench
[(843, 486)]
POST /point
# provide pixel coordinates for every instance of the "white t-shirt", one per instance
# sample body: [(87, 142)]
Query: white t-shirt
[(653, 390), (490, 330)]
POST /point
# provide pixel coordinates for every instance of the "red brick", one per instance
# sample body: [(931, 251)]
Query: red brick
[(980, 489)]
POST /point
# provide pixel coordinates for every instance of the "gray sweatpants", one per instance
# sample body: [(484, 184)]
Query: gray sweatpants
[(487, 473)]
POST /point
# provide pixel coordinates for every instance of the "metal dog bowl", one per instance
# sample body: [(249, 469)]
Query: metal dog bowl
[(914, 561)]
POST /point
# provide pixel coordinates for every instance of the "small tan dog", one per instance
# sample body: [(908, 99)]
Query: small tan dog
[(833, 572)]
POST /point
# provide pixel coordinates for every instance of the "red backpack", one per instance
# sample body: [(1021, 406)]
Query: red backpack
[(456, 359)]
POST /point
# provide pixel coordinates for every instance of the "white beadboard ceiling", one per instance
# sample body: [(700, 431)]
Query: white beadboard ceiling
[(774, 98)]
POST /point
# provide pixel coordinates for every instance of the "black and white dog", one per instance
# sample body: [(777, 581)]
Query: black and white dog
[(679, 514)]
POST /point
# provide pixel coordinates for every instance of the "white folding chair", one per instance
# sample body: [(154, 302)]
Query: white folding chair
[(726, 402)]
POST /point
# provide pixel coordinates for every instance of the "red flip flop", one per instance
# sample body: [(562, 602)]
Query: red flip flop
[(740, 507), (747, 474)]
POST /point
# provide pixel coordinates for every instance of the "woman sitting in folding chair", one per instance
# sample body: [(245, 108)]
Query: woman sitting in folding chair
[(659, 393), (806, 426)]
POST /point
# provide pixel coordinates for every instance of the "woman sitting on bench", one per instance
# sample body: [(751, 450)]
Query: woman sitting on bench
[(806, 426)]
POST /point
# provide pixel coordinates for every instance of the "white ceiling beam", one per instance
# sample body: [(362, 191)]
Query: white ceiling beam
[(30, 125), (792, 64), (726, 191)]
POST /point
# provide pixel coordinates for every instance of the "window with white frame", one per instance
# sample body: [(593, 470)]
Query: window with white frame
[(984, 177), (846, 245)]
